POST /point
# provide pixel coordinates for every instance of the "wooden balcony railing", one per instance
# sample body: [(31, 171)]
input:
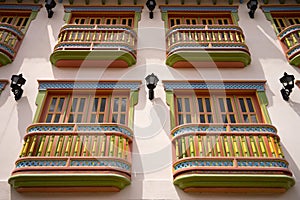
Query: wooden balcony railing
[(290, 38), (90, 43), (59, 151), (10, 41), (210, 156), (219, 45)]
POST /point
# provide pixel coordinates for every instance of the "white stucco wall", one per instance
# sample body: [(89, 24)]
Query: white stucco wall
[(152, 172)]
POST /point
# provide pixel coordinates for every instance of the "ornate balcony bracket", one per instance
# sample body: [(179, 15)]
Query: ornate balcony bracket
[(10, 42), (229, 158), (206, 46), (288, 38), (95, 46), (57, 157)]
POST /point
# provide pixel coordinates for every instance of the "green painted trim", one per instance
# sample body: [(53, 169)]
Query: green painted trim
[(4, 59), (234, 181), (40, 99), (230, 2), (171, 103), (134, 97), (263, 102), (164, 17), (295, 60), (266, 1), (92, 55), (200, 56), (31, 17), (67, 17), (235, 18), (137, 18), (269, 17), (68, 180)]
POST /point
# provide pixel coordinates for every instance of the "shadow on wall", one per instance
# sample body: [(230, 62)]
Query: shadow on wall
[(24, 116), (295, 106)]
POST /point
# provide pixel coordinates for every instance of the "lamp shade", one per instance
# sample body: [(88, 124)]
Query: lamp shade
[(151, 80), (151, 4), (287, 81)]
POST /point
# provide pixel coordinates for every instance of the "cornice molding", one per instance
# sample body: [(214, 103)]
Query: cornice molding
[(214, 85), (167, 8), (89, 85), (280, 8), (32, 7), (103, 8)]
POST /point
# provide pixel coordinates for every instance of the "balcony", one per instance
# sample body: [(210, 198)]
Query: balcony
[(206, 46), (58, 157), (10, 41), (229, 158), (290, 39), (95, 46)]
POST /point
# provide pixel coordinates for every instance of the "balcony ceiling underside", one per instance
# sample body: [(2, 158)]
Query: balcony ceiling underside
[(208, 58), (4, 59), (271, 183), (68, 182), (94, 58), (87, 2)]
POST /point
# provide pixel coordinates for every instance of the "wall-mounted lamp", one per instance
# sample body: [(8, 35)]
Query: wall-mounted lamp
[(151, 5), (16, 83), (49, 5), (151, 81), (252, 5), (288, 84)]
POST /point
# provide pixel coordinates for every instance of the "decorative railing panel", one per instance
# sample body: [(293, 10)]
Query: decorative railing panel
[(229, 151), (216, 41), (58, 150), (10, 41), (118, 40), (290, 38)]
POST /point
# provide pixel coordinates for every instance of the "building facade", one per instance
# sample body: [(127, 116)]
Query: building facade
[(85, 127)]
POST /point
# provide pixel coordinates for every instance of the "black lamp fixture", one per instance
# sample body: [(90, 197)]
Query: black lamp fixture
[(288, 84), (151, 81), (16, 83), (151, 5), (252, 5), (49, 5)]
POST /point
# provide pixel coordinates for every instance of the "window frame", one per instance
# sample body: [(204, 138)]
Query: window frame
[(89, 94), (215, 108)]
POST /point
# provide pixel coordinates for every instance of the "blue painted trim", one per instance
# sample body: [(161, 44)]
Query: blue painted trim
[(280, 8), (259, 86), (203, 163), (80, 128), (223, 128), (293, 51), (132, 85), (20, 7), (227, 163), (12, 29), (289, 30), (2, 85), (103, 8), (100, 162), (199, 8), (9, 50), (41, 163)]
